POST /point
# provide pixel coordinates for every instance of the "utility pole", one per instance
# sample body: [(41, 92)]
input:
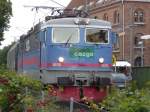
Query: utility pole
[(86, 5), (123, 30)]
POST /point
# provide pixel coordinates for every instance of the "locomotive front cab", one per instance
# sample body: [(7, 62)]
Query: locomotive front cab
[(77, 54), (77, 46)]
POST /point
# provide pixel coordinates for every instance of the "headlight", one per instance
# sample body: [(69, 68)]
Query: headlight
[(101, 60), (61, 59)]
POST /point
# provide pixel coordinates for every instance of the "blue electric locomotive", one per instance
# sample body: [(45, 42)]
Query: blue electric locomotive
[(73, 53)]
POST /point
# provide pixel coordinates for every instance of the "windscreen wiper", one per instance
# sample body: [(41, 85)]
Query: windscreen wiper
[(69, 38)]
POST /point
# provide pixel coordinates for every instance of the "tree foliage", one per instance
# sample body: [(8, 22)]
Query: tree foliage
[(5, 13), (12, 91), (3, 55), (19, 93), (129, 100)]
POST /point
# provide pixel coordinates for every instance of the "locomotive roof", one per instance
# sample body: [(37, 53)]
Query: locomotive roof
[(71, 21), (66, 22)]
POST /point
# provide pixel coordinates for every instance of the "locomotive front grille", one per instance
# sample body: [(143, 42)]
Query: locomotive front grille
[(81, 82)]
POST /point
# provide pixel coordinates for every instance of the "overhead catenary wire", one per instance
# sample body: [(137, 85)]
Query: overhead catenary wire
[(57, 3)]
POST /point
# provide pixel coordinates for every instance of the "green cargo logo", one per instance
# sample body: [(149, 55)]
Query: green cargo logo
[(81, 52)]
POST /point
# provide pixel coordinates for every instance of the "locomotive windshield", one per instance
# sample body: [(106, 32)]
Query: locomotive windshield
[(65, 35), (96, 35)]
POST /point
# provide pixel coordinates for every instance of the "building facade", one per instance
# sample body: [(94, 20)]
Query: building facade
[(130, 19)]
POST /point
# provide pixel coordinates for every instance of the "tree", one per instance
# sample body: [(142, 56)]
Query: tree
[(5, 14), (3, 55)]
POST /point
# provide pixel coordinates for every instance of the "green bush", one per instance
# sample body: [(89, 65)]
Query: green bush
[(128, 100), (12, 89)]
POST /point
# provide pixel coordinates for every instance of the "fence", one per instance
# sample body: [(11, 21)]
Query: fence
[(40, 101), (43, 101)]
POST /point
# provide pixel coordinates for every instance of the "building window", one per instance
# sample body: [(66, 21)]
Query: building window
[(105, 17), (95, 17), (137, 61), (139, 16), (116, 17), (135, 17), (116, 45), (137, 39)]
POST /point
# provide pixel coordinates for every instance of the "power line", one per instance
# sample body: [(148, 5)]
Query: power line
[(57, 3)]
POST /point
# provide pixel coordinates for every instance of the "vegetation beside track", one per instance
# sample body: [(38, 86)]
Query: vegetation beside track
[(19, 93), (129, 99)]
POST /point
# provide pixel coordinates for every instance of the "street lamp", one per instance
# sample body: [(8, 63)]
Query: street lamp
[(144, 37)]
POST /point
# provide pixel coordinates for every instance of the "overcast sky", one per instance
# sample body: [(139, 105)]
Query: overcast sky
[(24, 18)]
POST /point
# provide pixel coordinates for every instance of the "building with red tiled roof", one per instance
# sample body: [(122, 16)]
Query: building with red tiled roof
[(130, 19)]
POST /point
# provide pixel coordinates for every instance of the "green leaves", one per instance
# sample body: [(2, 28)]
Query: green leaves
[(3, 56), (12, 92), (128, 100), (5, 13)]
